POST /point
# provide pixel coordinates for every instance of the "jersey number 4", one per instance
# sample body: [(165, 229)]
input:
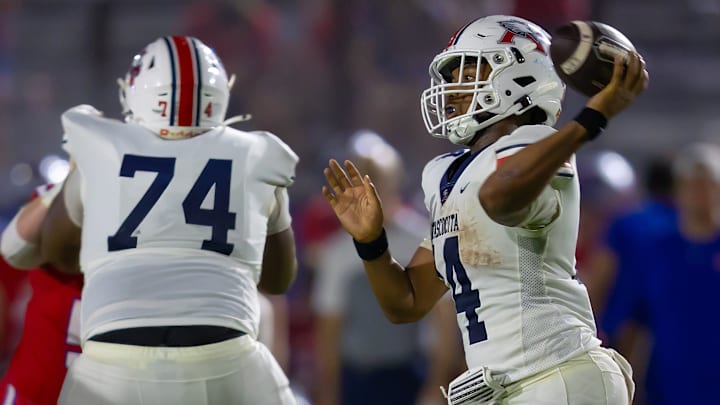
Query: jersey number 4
[(216, 173), (467, 300)]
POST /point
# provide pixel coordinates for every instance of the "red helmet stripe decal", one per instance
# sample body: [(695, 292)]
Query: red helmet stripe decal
[(456, 36), (187, 81)]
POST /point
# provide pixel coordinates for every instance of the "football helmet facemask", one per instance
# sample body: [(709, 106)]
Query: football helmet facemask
[(522, 77), (177, 87)]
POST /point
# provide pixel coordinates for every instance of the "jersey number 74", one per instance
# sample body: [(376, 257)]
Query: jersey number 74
[(219, 218)]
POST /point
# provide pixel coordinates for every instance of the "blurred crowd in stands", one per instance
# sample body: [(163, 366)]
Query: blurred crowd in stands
[(332, 77)]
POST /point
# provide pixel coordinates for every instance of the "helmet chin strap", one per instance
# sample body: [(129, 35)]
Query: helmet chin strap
[(236, 119), (186, 132), (122, 85), (464, 132)]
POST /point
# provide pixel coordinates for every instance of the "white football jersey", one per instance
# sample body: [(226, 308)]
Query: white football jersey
[(173, 231), (519, 305)]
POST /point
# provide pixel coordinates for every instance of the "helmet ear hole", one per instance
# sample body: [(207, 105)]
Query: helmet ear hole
[(533, 116)]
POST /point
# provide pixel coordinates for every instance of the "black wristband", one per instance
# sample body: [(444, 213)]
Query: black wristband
[(593, 121), (372, 250)]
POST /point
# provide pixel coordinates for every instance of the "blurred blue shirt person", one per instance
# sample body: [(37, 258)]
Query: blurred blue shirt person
[(667, 285)]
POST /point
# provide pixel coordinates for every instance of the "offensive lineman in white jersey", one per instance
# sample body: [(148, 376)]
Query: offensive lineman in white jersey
[(504, 221), (183, 219)]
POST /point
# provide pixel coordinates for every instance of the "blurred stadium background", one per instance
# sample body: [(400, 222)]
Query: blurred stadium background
[(316, 71)]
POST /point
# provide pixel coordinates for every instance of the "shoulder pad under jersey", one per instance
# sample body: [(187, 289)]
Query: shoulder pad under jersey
[(278, 160)]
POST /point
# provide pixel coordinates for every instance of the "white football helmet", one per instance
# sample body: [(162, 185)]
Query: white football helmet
[(177, 87), (522, 77)]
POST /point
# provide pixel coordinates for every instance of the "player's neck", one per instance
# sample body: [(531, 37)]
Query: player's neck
[(493, 133)]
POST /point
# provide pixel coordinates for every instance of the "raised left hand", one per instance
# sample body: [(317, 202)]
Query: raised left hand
[(354, 200)]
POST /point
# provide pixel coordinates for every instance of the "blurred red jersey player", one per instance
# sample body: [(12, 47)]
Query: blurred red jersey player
[(50, 338), (14, 294)]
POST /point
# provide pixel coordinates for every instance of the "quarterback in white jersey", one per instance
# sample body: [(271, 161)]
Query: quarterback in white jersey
[(182, 218), (536, 314), (505, 215)]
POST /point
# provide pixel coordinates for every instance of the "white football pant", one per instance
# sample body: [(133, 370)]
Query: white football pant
[(598, 377), (237, 371)]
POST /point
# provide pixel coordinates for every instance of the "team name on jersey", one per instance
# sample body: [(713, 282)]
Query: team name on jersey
[(444, 225), (180, 133)]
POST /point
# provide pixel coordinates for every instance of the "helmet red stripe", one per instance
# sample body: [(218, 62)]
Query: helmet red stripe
[(187, 81), (456, 36)]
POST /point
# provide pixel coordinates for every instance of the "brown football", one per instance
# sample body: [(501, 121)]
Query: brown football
[(583, 54)]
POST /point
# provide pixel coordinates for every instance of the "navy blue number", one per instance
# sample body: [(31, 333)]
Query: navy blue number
[(468, 300), (216, 173), (165, 168)]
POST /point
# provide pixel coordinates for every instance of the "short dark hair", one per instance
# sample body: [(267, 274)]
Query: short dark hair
[(659, 177)]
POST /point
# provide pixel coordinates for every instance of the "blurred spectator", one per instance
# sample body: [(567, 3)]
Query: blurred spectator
[(619, 253), (273, 329), (14, 295), (665, 296), (316, 222), (362, 358), (609, 188), (313, 222), (626, 235)]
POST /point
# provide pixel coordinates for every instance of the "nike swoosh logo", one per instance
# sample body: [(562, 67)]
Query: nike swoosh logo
[(464, 187)]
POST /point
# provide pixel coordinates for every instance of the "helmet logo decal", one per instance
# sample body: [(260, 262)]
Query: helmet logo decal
[(134, 71), (135, 67), (186, 81), (515, 28)]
